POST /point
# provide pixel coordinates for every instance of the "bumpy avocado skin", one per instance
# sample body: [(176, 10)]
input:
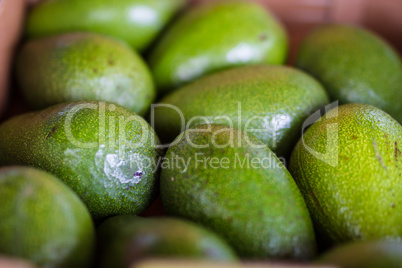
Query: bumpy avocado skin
[(43, 221), (214, 36), (84, 66), (83, 144), (270, 102), (126, 239), (372, 254), (355, 66), (348, 166), (244, 193), (137, 22)]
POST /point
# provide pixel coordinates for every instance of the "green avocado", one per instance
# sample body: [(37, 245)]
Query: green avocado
[(104, 152), (126, 239), (372, 254), (270, 102), (83, 66), (214, 36), (137, 22), (348, 166), (355, 66), (43, 221), (234, 184)]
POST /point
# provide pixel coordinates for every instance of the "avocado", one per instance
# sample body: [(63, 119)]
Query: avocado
[(104, 152), (234, 184), (371, 254), (213, 36), (83, 66), (348, 166), (42, 220), (270, 102), (355, 66), (137, 22), (125, 240)]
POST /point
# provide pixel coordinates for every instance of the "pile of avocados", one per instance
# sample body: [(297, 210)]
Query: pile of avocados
[(140, 102)]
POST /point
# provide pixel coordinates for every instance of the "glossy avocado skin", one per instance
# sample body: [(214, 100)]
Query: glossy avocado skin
[(137, 22), (125, 240), (255, 206), (214, 36), (83, 143), (84, 66), (371, 254), (355, 66), (274, 99), (353, 188), (43, 221)]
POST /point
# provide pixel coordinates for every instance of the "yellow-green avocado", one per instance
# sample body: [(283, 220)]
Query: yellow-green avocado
[(355, 66), (83, 66), (214, 36), (137, 22), (104, 152), (125, 240), (43, 221), (348, 166), (234, 184)]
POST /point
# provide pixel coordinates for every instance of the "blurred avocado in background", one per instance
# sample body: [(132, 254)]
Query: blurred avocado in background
[(137, 22), (355, 66), (83, 66), (371, 254), (43, 220), (124, 240), (215, 36)]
